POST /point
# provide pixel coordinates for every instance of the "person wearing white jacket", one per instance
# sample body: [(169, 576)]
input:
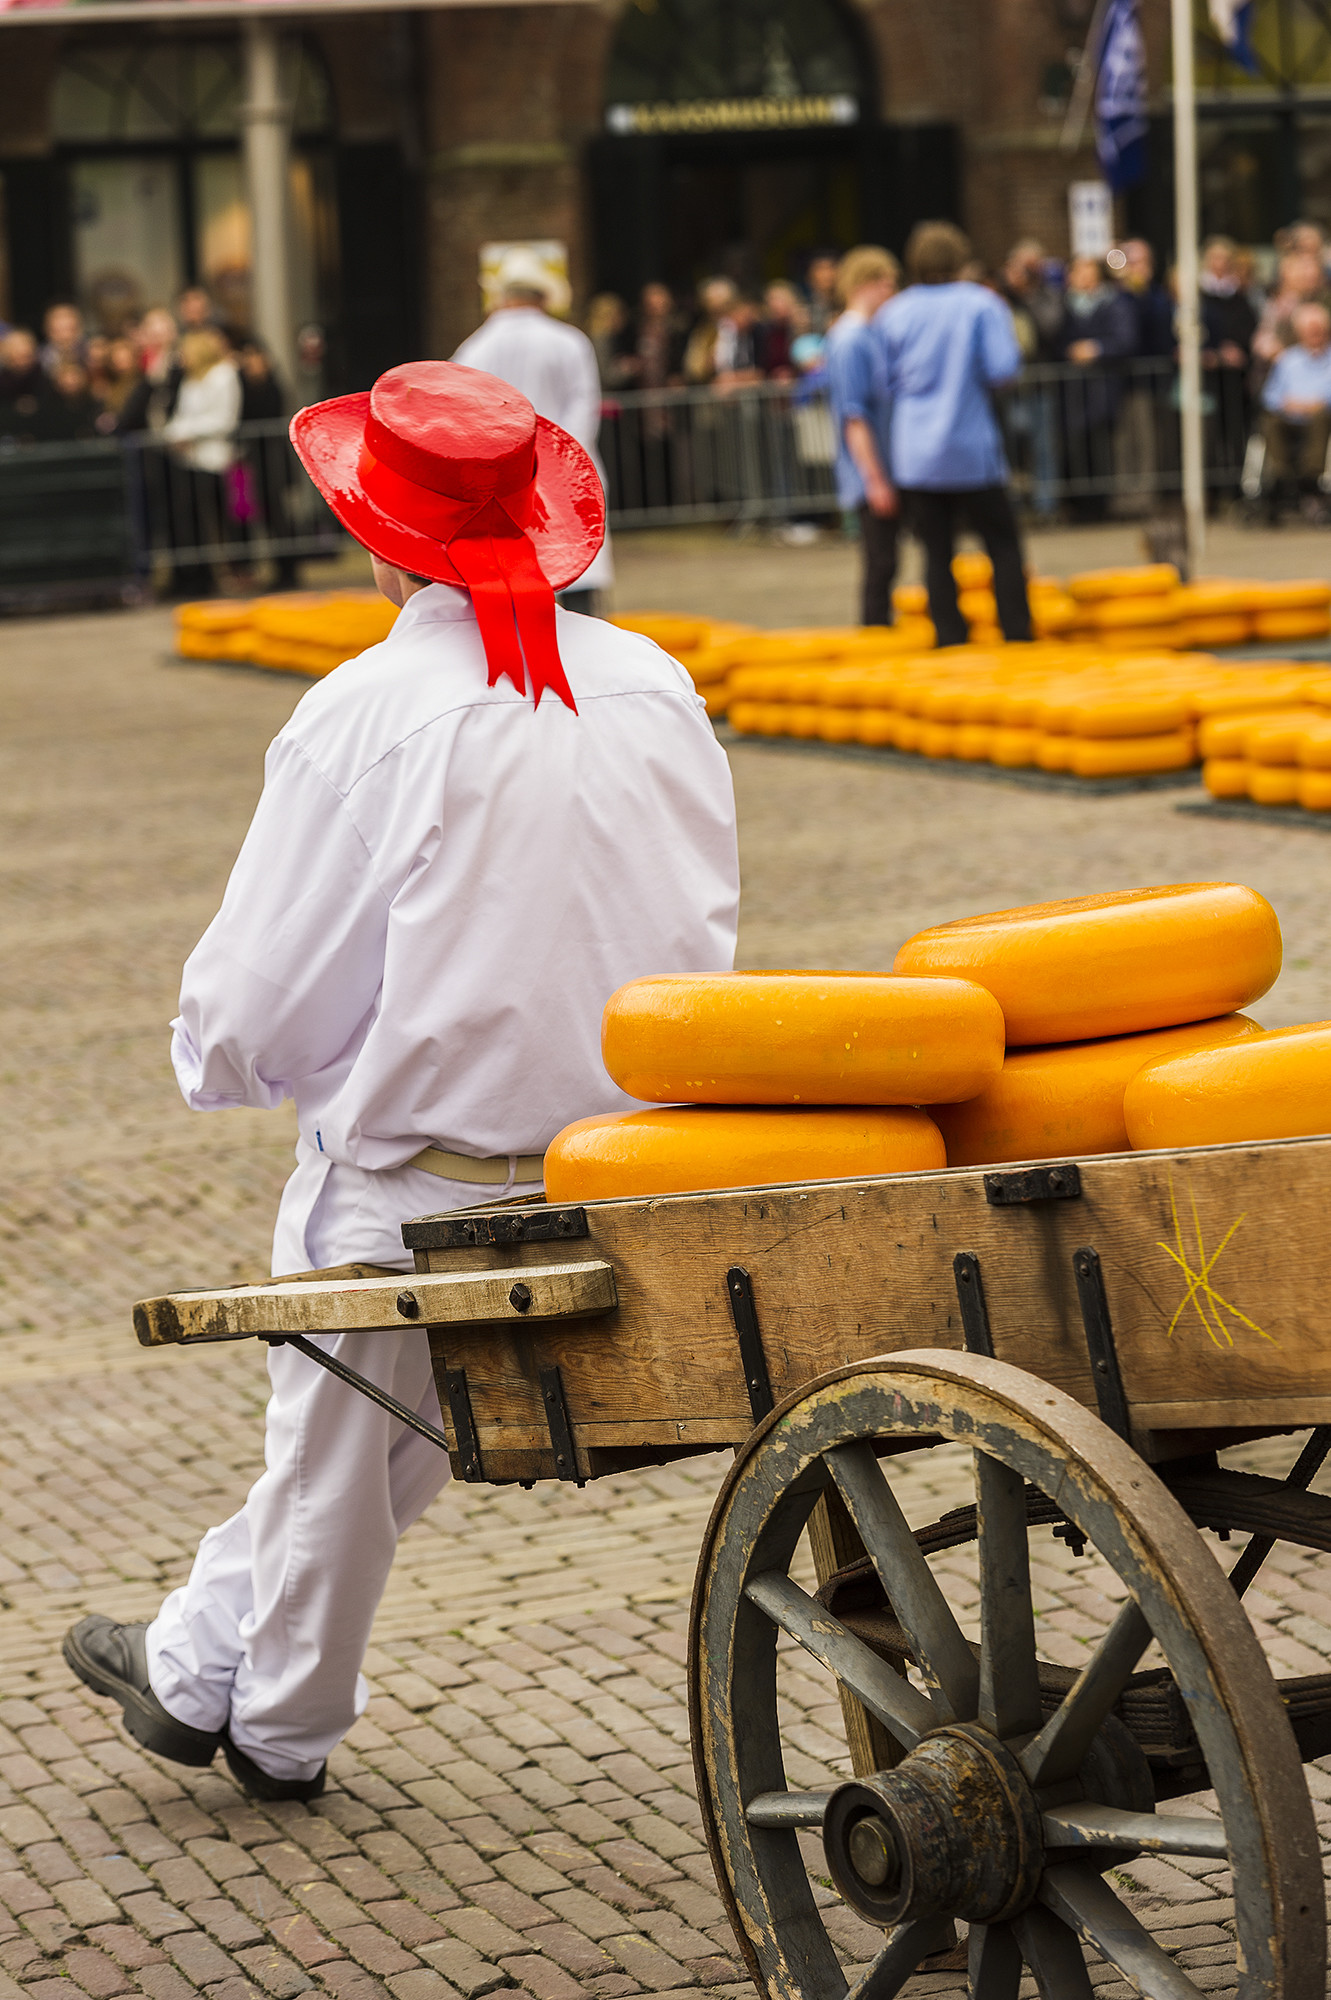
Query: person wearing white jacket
[(554, 365), (468, 838), (201, 434)]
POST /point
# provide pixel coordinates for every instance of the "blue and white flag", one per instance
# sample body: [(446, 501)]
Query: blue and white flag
[(1120, 97), (1232, 21)]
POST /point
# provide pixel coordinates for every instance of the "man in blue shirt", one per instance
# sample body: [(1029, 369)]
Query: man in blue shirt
[(1296, 404), (867, 278), (943, 346)]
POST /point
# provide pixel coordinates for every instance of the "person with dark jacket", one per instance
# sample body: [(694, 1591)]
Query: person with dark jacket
[(1099, 330), (1228, 325), (25, 387), (261, 477)]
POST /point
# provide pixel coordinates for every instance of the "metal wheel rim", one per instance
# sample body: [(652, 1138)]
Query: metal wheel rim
[(1042, 1436)]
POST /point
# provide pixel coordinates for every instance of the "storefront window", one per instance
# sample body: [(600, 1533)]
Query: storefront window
[(156, 183), (677, 51)]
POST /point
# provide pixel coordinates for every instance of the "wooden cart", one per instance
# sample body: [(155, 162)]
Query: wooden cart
[(1094, 1332)]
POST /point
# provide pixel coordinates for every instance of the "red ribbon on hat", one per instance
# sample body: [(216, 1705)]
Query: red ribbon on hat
[(490, 549)]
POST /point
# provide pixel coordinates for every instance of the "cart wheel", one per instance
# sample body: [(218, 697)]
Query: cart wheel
[(994, 1814)]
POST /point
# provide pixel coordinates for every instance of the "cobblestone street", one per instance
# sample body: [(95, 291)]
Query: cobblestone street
[(515, 1809)]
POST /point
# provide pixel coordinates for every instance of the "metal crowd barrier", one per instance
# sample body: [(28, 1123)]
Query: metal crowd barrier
[(130, 516), (1085, 441)]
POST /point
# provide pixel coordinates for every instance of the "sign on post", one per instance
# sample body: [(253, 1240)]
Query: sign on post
[(1090, 218)]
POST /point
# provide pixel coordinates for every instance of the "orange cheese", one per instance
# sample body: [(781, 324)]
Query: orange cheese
[(1220, 628), (686, 1147), (972, 570), (1277, 1086), (1093, 586), (1111, 964), (1226, 777), (1310, 624), (877, 727), (1127, 756), (1315, 790), (801, 1038), (1067, 1099), (1274, 784)]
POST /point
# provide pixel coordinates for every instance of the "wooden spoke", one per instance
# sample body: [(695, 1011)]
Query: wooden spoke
[(1009, 1677), (1085, 1901), (994, 1962), (791, 1809), (1088, 1825), (1054, 1955), (1062, 1744), (944, 1658), (897, 1960), (900, 1708)]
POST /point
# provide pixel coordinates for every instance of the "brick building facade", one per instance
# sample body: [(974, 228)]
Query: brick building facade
[(427, 133)]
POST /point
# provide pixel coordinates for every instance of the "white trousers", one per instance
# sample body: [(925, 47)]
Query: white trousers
[(267, 1637)]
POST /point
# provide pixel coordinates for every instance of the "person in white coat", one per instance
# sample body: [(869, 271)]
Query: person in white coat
[(468, 838), (554, 365)]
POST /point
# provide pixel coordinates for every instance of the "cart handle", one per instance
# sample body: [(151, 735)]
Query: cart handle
[(529, 1293)]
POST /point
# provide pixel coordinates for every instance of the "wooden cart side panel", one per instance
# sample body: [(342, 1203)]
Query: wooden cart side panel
[(1216, 1266)]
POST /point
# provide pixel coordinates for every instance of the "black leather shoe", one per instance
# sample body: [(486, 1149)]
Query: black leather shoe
[(257, 1784), (113, 1659)]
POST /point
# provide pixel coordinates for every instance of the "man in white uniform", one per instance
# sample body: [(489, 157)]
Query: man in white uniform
[(443, 883), (554, 366)]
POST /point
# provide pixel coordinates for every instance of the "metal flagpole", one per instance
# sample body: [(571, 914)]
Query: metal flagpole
[(1186, 265)]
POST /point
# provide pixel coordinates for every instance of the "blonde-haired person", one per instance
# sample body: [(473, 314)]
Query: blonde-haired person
[(942, 347), (201, 434), (867, 278)]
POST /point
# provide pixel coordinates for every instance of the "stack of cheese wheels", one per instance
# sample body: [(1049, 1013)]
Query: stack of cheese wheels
[(1090, 990), (1277, 757), (1134, 607), (768, 1077), (1276, 1087), (299, 632)]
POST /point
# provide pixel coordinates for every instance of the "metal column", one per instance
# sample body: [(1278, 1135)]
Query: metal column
[(1189, 317), (266, 118)]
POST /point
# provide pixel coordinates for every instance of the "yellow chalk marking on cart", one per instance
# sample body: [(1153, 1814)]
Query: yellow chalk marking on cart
[(1199, 1281)]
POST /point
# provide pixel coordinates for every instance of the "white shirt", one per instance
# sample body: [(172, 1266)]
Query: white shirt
[(440, 889), (554, 365), (206, 414)]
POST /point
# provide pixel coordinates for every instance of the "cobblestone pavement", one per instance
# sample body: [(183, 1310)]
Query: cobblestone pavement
[(515, 1810)]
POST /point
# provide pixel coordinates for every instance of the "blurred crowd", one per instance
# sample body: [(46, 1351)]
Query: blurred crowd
[(1097, 409), (168, 373)]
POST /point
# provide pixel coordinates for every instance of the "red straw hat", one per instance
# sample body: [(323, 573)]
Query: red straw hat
[(449, 473)]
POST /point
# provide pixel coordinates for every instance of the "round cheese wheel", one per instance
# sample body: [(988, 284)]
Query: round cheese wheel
[(978, 606), (877, 728), (1275, 739), (974, 742), (1315, 790), (1013, 748), (1116, 614), (910, 600), (1277, 1086), (1146, 579), (678, 1150), (1132, 713), (938, 739), (1310, 624), (839, 725), (1222, 629), (1226, 777), (800, 1038), (1274, 784), (1067, 1099), (1129, 756), (1111, 964), (972, 570), (1293, 594), (1054, 753), (986, 635)]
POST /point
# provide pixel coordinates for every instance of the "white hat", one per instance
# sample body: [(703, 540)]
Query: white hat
[(523, 268)]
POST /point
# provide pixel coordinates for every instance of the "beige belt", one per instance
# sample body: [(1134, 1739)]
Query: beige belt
[(480, 1173)]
